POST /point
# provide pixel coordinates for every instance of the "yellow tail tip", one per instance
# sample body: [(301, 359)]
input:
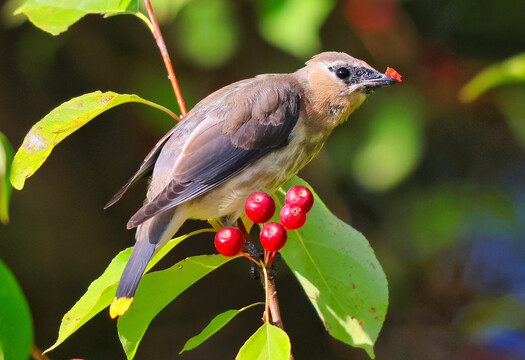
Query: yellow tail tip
[(119, 306)]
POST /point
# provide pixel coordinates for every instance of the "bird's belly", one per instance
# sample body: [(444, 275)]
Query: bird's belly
[(267, 174)]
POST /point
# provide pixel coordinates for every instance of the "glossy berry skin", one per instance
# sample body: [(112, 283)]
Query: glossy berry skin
[(292, 217), (229, 241), (273, 236), (301, 196), (393, 74), (259, 207)]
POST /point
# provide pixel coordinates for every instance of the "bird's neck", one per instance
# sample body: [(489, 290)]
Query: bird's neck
[(325, 108)]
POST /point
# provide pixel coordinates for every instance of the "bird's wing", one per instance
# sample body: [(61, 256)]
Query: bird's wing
[(249, 120), (145, 168)]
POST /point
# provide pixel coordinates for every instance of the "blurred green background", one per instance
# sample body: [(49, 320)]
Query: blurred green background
[(433, 176)]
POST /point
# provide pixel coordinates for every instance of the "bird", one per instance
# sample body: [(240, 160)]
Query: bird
[(252, 135)]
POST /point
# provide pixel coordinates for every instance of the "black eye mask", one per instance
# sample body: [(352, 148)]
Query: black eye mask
[(354, 75)]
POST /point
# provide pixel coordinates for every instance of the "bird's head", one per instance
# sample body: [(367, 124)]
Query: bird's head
[(337, 83)]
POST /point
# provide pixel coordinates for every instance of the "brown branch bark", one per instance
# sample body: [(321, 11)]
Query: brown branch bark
[(273, 301), (37, 354), (273, 304)]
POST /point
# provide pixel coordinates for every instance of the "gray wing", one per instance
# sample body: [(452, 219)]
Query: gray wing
[(145, 168), (250, 120)]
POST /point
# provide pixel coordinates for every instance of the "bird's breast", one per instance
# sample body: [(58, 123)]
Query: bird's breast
[(266, 174)]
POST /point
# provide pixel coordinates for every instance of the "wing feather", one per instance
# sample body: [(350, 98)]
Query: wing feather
[(223, 144), (145, 168)]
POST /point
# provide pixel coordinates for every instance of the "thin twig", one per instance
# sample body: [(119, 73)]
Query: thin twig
[(37, 354), (164, 52), (271, 298), (274, 304)]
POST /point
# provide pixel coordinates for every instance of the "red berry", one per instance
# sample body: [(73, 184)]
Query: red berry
[(393, 74), (273, 236), (301, 196), (259, 207), (292, 217), (229, 241)]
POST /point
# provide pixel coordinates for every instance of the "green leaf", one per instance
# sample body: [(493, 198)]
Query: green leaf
[(16, 330), (101, 291), (55, 16), (158, 289), (512, 105), (340, 274), (509, 71), (293, 25), (449, 212), (392, 147), (268, 342), (167, 10), (6, 157), (217, 323), (207, 32), (491, 312), (59, 124)]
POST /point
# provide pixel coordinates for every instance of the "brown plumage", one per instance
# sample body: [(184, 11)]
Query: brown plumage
[(253, 135)]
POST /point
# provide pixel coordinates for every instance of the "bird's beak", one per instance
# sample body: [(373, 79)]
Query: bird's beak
[(377, 79)]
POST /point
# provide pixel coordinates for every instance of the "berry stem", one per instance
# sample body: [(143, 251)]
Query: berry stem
[(249, 257), (244, 232), (165, 56), (270, 261)]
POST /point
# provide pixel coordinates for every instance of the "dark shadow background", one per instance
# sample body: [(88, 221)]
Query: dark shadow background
[(436, 185)]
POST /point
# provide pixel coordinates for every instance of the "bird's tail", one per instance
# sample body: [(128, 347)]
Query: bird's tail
[(151, 236), (129, 280)]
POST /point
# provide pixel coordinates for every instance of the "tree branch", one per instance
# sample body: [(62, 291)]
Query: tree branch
[(164, 52), (37, 354), (273, 301)]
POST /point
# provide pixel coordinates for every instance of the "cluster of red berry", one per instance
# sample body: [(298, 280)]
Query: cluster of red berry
[(260, 208)]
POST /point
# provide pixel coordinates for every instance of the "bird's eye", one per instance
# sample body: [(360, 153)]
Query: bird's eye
[(342, 73)]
